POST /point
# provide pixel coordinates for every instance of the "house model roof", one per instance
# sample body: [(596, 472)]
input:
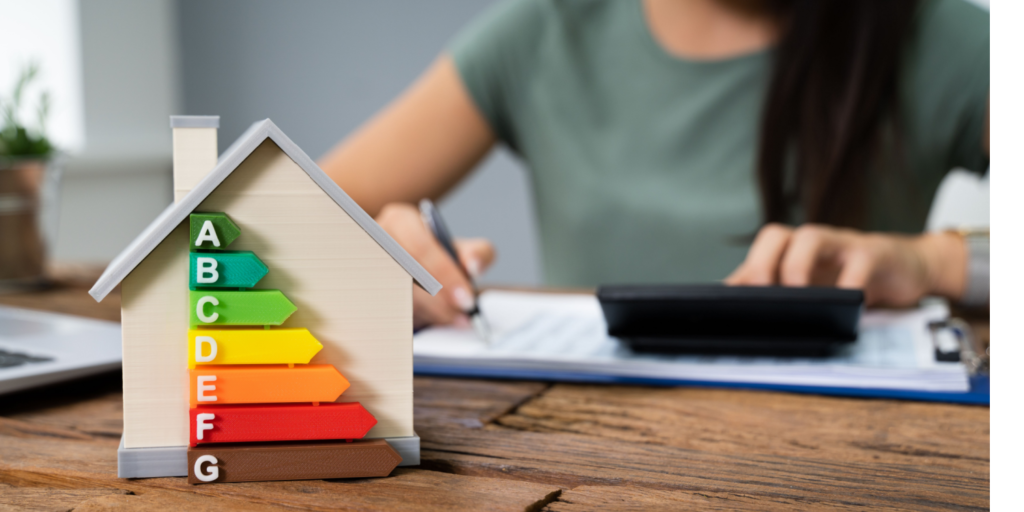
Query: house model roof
[(148, 240)]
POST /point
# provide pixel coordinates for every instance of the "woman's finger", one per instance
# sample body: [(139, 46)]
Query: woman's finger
[(477, 254), (403, 222), (858, 269), (858, 266), (457, 290), (429, 310), (808, 245), (761, 267)]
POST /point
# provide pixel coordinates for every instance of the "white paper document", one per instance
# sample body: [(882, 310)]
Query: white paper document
[(567, 334)]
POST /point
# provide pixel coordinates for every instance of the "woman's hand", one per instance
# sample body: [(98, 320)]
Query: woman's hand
[(402, 221), (893, 270)]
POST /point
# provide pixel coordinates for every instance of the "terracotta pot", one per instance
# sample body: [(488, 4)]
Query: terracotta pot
[(22, 244)]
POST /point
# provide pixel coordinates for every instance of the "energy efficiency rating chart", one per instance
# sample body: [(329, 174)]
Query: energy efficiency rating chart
[(248, 380)]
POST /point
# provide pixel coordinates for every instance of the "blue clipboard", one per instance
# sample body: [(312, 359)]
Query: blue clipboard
[(978, 395)]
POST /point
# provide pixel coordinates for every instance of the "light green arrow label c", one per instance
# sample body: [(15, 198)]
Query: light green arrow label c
[(251, 307)]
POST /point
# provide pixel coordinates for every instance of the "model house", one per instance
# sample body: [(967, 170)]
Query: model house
[(348, 283)]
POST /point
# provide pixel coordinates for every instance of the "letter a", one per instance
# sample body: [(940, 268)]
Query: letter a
[(207, 234)]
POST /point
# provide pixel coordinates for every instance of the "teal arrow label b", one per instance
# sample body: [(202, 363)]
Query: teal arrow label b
[(226, 269), (250, 307)]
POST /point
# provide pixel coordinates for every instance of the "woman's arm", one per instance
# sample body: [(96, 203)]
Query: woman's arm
[(419, 146)]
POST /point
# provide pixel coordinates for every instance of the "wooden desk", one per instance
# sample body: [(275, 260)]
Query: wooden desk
[(501, 445)]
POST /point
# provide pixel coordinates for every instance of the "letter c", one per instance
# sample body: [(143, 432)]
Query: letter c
[(199, 309), (213, 470)]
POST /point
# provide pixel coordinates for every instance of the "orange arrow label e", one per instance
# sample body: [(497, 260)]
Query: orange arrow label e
[(212, 385)]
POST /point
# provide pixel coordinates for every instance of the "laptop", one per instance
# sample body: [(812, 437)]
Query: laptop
[(38, 348)]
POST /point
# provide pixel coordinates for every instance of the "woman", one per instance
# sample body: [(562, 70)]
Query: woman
[(663, 135)]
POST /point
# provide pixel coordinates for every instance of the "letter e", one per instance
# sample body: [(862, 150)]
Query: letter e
[(202, 387)]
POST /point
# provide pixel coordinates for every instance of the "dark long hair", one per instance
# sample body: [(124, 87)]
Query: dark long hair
[(833, 94)]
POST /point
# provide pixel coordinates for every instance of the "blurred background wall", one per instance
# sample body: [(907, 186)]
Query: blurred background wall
[(318, 68), (113, 69)]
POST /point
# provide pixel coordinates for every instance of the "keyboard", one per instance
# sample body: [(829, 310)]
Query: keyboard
[(12, 359)]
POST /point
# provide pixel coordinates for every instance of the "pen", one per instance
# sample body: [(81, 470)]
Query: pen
[(432, 218)]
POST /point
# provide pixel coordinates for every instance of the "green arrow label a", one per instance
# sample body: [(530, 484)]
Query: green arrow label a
[(211, 231), (251, 307), (227, 269)]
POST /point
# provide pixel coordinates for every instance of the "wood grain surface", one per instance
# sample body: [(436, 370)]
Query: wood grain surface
[(502, 445)]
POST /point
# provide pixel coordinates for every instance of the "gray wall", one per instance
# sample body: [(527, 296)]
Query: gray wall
[(121, 180), (321, 68)]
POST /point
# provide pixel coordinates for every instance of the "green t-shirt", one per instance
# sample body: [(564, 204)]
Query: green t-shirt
[(643, 162)]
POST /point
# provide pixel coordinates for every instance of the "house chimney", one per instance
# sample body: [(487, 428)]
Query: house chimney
[(195, 150)]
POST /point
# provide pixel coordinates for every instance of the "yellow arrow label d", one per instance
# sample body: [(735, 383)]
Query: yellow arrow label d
[(251, 346)]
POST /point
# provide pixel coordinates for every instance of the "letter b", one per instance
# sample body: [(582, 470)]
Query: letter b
[(206, 270)]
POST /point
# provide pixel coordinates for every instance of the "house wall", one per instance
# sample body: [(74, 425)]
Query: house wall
[(154, 330), (120, 179), (350, 294)]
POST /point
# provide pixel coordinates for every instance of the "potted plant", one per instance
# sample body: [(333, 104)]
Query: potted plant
[(26, 183)]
